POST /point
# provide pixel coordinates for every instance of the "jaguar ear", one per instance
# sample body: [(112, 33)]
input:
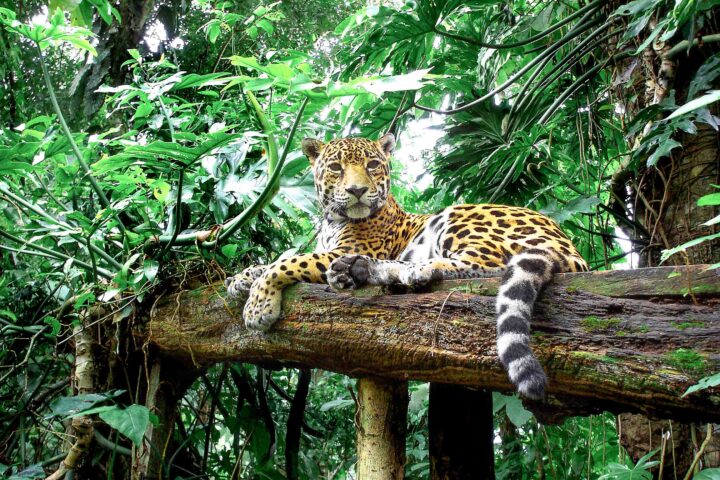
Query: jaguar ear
[(312, 147), (387, 143)]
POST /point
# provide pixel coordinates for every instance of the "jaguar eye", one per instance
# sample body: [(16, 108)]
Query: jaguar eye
[(373, 164), (334, 167)]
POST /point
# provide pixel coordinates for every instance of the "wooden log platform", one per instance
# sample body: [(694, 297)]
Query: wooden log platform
[(621, 341)]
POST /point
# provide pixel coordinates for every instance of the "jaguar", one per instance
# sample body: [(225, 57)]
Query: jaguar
[(365, 238)]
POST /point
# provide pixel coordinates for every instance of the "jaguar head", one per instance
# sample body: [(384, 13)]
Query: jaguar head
[(352, 175)]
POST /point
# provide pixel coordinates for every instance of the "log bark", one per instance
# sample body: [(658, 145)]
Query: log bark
[(616, 341), (381, 424)]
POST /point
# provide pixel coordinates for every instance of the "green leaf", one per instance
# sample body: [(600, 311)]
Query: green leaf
[(396, 83), (338, 403), (143, 110), (705, 76), (703, 383), (7, 166), (710, 97), (663, 150), (712, 221), (578, 205), (639, 471), (229, 250), (131, 422), (67, 406), (680, 248), (710, 199), (249, 62), (708, 474), (585, 204), (266, 25), (155, 154), (161, 190), (150, 269), (81, 43), (517, 414), (30, 473), (105, 10), (213, 31), (84, 299), (280, 71), (635, 7), (54, 324), (135, 54), (194, 80)]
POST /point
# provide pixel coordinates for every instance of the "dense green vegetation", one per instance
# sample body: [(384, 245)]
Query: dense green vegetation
[(147, 147)]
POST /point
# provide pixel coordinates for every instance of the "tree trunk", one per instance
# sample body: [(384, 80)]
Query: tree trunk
[(663, 201), (381, 421), (114, 41), (460, 423), (616, 340)]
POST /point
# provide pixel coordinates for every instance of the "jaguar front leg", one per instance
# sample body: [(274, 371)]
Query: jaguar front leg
[(354, 271), (264, 304)]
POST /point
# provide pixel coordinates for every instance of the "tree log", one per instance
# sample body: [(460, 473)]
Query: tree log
[(616, 341)]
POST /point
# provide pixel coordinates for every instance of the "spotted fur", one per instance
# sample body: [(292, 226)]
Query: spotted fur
[(366, 238)]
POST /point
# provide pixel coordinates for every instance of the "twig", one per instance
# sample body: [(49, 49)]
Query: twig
[(294, 424), (437, 320), (699, 454), (110, 445)]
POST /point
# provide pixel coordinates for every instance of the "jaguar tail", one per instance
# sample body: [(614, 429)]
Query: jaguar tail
[(527, 274)]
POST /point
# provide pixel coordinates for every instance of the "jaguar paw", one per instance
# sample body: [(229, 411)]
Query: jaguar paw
[(349, 272), (263, 308), (243, 281)]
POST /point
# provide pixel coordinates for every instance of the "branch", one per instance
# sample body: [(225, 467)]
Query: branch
[(527, 41), (66, 130), (613, 340), (267, 194), (684, 46), (53, 254), (52, 219), (572, 34)]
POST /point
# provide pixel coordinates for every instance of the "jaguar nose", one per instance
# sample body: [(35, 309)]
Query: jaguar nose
[(356, 190)]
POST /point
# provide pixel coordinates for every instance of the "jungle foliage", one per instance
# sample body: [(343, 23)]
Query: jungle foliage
[(136, 162)]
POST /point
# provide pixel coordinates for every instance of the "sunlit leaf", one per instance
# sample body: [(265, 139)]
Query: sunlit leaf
[(131, 422), (707, 99), (704, 383)]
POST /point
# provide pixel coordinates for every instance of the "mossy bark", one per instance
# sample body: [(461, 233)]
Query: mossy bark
[(616, 341)]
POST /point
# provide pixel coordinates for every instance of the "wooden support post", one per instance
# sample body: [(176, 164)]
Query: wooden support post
[(461, 433), (381, 424)]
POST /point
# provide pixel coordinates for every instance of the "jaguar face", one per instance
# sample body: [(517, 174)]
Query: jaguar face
[(352, 175)]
